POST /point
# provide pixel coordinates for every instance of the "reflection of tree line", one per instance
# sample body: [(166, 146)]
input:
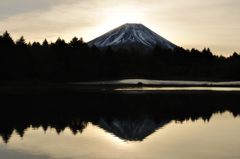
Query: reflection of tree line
[(75, 61), (75, 111)]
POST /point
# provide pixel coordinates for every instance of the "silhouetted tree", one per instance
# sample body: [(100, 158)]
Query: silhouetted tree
[(45, 43), (76, 43), (21, 42), (6, 41), (207, 52)]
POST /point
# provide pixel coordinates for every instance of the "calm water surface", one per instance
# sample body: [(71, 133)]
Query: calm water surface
[(215, 139), (121, 124)]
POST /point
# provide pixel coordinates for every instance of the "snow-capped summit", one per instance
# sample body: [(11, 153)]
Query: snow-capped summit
[(131, 36)]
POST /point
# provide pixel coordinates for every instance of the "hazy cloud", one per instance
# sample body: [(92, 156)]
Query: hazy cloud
[(189, 23)]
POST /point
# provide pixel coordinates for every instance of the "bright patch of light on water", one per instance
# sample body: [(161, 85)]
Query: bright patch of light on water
[(225, 89)]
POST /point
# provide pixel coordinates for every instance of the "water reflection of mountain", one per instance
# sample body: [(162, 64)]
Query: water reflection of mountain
[(131, 129), (131, 117)]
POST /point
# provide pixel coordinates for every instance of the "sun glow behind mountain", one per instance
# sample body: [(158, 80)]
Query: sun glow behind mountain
[(121, 15), (189, 23), (117, 16)]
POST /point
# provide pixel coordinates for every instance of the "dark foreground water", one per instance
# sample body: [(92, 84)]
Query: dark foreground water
[(115, 125)]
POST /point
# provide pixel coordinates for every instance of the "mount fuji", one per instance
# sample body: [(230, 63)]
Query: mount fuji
[(131, 37)]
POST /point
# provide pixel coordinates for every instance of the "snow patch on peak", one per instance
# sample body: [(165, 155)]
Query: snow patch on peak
[(131, 34)]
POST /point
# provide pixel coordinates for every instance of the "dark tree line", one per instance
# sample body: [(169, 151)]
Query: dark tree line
[(76, 61)]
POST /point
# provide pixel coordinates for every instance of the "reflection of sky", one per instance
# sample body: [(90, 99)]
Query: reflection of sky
[(218, 139), (163, 83), (189, 23), (214, 89)]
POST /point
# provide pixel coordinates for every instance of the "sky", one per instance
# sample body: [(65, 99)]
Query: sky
[(187, 23)]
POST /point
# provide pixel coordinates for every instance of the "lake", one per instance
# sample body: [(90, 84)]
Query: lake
[(118, 124), (218, 138)]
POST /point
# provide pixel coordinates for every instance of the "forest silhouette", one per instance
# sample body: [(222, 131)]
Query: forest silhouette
[(75, 61)]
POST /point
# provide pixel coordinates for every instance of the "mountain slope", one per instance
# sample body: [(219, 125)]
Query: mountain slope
[(131, 36)]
